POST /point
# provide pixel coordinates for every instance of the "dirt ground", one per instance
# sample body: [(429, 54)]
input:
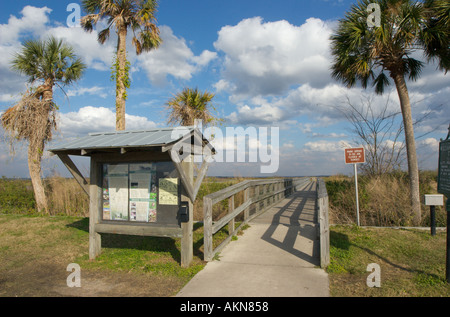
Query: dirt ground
[(50, 280)]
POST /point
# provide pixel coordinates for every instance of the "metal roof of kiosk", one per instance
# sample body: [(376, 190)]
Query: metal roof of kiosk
[(160, 140), (122, 139)]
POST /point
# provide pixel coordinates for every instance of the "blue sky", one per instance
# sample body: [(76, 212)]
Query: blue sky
[(266, 61)]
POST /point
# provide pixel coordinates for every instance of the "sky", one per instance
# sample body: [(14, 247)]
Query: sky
[(267, 62)]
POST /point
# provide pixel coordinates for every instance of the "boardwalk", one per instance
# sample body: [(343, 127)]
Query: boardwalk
[(278, 256)]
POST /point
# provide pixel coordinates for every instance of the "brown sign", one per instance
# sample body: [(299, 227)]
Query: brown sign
[(354, 155)]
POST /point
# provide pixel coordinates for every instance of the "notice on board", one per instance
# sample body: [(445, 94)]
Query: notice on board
[(168, 191), (444, 168)]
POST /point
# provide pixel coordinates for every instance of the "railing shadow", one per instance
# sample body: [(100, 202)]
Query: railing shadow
[(289, 216)]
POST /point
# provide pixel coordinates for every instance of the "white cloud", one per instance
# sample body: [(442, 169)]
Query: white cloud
[(95, 90), (174, 58), (224, 85), (86, 46), (98, 119), (33, 21), (205, 58), (263, 58), (323, 146), (260, 115), (430, 143)]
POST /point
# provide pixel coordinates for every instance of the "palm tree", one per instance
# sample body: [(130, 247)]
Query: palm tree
[(137, 15), (45, 63), (437, 32), (380, 54), (190, 105)]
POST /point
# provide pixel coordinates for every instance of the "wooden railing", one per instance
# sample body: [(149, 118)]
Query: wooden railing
[(324, 228), (258, 196)]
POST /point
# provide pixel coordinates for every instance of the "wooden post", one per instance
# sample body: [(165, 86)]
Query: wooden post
[(95, 196), (324, 235), (246, 198), (207, 229), (256, 196), (187, 243), (230, 210)]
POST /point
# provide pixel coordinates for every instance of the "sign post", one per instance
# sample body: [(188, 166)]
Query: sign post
[(355, 156), (444, 188)]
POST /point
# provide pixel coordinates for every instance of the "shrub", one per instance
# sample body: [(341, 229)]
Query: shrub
[(16, 196), (384, 200)]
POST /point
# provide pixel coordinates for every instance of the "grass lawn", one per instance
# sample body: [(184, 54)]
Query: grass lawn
[(35, 252), (412, 262)]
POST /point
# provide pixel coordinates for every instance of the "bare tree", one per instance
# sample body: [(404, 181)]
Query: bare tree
[(379, 132)]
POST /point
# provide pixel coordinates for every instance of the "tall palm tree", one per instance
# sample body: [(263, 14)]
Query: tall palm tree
[(190, 105), (46, 64), (380, 54), (122, 15)]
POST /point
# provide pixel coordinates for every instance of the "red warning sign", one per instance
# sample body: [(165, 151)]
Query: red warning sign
[(355, 155)]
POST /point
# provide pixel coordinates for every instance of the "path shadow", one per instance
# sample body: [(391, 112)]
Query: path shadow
[(289, 216)]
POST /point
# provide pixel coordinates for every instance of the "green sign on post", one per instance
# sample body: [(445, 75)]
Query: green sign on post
[(444, 188), (444, 168)]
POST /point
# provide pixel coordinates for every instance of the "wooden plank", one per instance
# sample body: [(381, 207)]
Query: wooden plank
[(95, 195), (139, 230), (227, 192), (70, 165)]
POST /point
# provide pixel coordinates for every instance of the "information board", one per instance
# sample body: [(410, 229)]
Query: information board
[(444, 168), (141, 192)]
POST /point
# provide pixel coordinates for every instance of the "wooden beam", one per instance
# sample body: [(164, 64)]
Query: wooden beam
[(200, 176), (138, 230), (70, 165)]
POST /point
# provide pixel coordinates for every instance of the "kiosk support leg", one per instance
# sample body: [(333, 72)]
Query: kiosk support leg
[(95, 239), (187, 242)]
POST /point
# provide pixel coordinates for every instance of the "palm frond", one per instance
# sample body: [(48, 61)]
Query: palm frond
[(380, 82), (189, 105)]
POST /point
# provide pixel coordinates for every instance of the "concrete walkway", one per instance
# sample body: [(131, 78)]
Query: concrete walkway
[(278, 256)]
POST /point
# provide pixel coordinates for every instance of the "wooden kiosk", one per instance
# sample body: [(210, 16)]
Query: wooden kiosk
[(141, 182)]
